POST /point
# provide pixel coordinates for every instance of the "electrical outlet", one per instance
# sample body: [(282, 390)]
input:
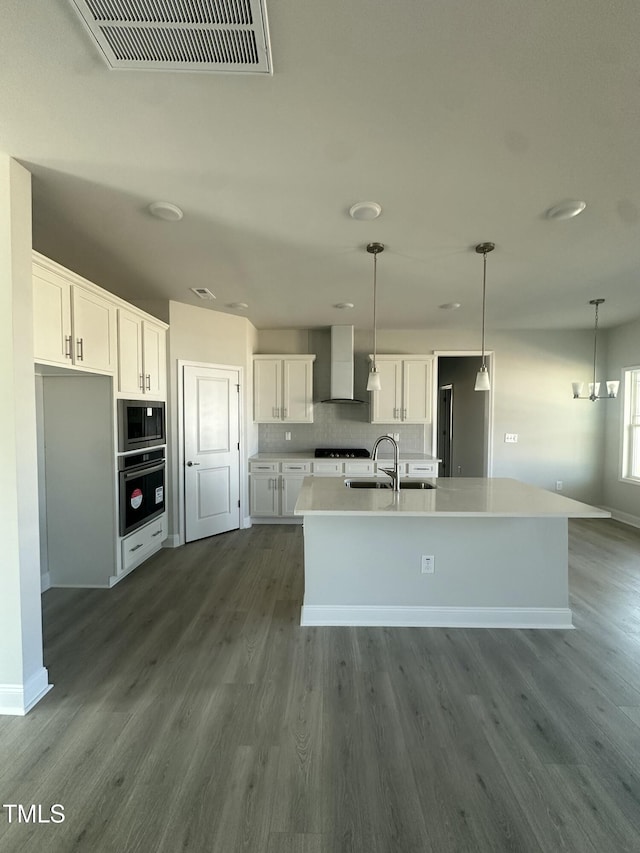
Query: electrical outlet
[(558, 485), (511, 438), (428, 564), (287, 436), (396, 436)]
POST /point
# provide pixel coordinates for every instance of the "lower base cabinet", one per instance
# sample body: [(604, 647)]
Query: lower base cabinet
[(274, 495), (140, 545)]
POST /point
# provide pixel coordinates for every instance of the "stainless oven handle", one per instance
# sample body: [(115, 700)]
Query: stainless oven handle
[(143, 470)]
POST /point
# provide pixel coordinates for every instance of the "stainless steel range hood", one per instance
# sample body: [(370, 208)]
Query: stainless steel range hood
[(342, 366)]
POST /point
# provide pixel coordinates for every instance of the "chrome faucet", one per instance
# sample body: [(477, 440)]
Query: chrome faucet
[(395, 472)]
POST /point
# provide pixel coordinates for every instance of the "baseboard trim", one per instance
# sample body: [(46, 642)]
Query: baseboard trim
[(45, 582), (172, 541), (18, 699), (438, 617), (624, 517), (276, 520)]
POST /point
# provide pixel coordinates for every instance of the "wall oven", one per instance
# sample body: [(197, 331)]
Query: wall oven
[(141, 423), (141, 487)]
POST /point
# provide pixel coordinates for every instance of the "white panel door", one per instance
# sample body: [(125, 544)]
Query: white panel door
[(211, 452)]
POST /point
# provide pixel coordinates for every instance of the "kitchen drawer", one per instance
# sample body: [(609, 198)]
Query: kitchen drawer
[(330, 469), (359, 468), (296, 467), (269, 467), (144, 542), (422, 469)]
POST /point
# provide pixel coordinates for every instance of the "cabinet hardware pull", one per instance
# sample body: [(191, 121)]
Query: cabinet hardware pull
[(404, 414), (157, 533), (141, 382), (284, 413), (395, 413), (273, 411), (131, 550), (148, 382), (67, 346), (80, 343)]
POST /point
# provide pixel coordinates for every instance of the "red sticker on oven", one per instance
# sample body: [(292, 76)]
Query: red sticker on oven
[(136, 498)]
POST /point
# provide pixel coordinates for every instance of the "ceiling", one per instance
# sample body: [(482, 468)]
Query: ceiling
[(465, 121)]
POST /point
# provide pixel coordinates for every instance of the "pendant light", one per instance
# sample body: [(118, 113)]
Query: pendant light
[(482, 377), (594, 387), (373, 382)]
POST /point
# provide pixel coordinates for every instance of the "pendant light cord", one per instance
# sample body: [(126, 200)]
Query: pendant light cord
[(484, 289), (595, 345), (375, 268)]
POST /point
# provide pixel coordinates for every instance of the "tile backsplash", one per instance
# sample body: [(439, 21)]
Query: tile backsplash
[(340, 425)]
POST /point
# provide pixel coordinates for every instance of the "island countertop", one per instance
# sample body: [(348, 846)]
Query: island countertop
[(453, 497)]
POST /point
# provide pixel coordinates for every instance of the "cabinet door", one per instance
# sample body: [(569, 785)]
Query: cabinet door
[(154, 361), (265, 494), (130, 373), (267, 390), (94, 330), (51, 318), (385, 404), (417, 390), (291, 486), (297, 391)]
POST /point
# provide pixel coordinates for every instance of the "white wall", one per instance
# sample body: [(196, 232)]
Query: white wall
[(23, 679), (623, 350), (209, 337)]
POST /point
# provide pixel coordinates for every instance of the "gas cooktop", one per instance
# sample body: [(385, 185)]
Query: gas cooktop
[(341, 453)]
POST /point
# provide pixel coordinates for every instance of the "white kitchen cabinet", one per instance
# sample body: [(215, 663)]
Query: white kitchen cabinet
[(406, 392), (141, 356), (139, 546), (283, 389), (74, 324), (290, 489), (265, 495)]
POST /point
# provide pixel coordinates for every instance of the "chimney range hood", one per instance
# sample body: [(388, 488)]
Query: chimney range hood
[(342, 365)]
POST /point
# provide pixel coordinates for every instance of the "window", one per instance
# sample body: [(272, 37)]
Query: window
[(631, 425)]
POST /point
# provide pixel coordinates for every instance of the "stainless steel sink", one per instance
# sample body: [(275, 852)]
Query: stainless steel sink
[(386, 484)]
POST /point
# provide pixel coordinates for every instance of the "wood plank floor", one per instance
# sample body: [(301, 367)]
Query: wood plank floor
[(191, 713)]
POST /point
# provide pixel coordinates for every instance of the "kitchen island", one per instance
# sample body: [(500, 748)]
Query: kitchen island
[(498, 549)]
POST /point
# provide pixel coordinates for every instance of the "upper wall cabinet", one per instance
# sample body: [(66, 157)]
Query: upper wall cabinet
[(74, 325), (141, 356), (78, 324), (283, 389), (407, 389)]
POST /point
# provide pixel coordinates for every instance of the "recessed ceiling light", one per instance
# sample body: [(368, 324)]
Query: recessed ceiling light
[(365, 210), (240, 306), (165, 210), (344, 306), (566, 209), (203, 292), (450, 306)]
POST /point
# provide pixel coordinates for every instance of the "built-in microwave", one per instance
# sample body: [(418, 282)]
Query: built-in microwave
[(141, 423)]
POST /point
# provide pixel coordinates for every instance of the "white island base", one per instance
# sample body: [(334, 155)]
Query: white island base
[(502, 568)]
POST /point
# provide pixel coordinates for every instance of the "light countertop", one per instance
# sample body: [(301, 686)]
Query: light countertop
[(309, 456), (454, 496)]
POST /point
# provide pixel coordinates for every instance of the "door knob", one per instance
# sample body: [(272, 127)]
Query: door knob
[(190, 464)]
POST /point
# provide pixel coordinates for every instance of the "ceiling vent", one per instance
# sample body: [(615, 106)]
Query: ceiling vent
[(227, 36), (203, 292)]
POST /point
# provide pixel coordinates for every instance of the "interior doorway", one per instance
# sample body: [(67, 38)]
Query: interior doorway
[(463, 425), (445, 429), (211, 450)]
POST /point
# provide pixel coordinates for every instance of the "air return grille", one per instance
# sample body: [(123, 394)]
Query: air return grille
[(180, 35)]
